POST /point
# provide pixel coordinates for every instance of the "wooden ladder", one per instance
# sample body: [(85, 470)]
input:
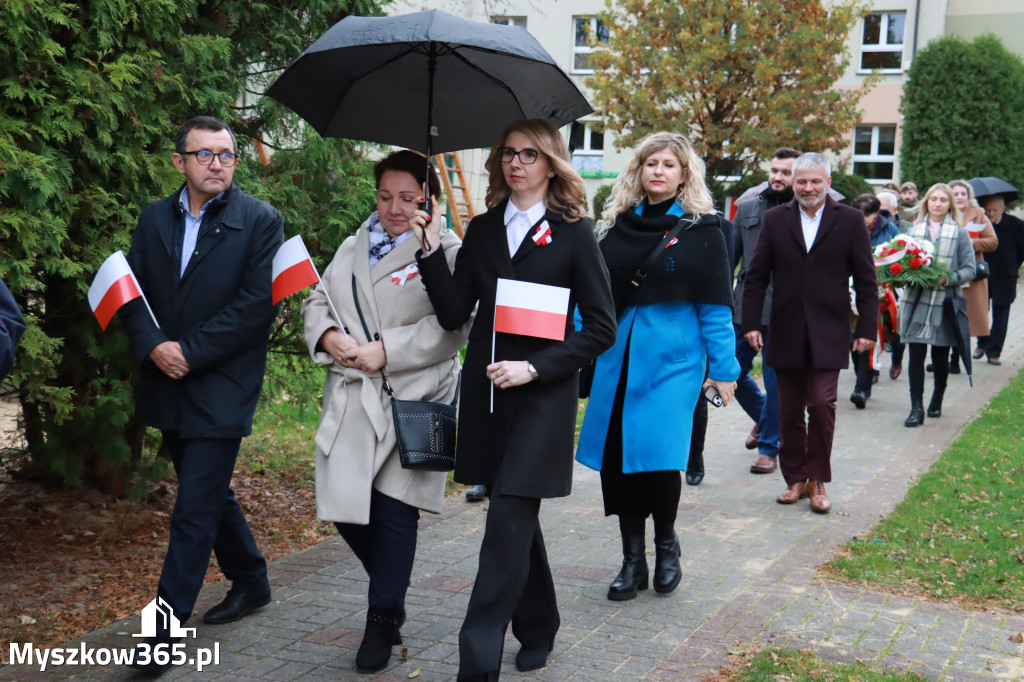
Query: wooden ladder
[(460, 205)]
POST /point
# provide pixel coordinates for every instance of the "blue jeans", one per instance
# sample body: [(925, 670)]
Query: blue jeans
[(763, 408)]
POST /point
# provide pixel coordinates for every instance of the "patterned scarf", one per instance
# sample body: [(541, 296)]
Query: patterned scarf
[(923, 324), (380, 248)]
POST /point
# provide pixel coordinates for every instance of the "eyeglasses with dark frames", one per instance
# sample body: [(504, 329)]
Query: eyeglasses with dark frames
[(205, 157), (526, 156)]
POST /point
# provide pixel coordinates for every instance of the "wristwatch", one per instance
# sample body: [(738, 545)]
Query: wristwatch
[(534, 373)]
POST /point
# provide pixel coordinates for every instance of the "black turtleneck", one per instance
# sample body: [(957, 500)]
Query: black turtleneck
[(659, 209), (777, 198)]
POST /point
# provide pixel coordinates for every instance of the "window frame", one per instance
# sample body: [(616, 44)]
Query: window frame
[(586, 150), (883, 45), (593, 19), (874, 156), (509, 20)]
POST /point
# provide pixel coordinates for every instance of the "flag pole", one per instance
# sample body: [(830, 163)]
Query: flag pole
[(493, 335), (146, 301), (330, 303)]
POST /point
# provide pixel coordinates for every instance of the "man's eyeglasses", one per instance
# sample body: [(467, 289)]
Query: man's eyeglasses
[(526, 156), (227, 159)]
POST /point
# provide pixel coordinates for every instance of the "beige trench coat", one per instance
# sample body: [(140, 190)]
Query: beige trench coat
[(977, 292), (356, 449)]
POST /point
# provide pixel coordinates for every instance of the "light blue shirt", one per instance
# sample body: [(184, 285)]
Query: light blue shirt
[(192, 225)]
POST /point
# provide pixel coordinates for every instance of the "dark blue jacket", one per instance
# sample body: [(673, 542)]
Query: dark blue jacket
[(12, 326), (220, 311)]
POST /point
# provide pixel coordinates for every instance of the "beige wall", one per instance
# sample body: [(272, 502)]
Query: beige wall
[(1002, 18)]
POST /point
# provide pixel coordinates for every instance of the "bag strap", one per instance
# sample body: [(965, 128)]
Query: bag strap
[(641, 273), (376, 337)]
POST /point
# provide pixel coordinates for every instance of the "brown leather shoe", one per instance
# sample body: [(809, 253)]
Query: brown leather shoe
[(751, 441), (795, 491), (763, 465), (819, 498), (894, 372)]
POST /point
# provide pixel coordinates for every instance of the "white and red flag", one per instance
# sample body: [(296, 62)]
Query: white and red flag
[(293, 269), (531, 309), (113, 286)]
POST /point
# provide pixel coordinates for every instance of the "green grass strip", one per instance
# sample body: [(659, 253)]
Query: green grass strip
[(957, 535), (779, 664)]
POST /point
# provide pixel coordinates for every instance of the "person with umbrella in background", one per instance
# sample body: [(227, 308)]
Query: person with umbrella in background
[(1004, 264), (922, 313), (519, 404)]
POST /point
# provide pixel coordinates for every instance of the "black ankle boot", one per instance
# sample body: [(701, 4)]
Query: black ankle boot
[(634, 575), (382, 631), (916, 417), (695, 468), (667, 572), (935, 406)]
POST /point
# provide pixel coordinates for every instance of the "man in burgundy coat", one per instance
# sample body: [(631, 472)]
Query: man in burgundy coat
[(812, 246)]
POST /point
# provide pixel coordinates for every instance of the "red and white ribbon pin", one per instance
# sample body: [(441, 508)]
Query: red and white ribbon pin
[(542, 235), (400, 277), (671, 243)]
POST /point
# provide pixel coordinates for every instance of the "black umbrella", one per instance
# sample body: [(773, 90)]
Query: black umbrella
[(429, 81), (954, 318), (988, 186)]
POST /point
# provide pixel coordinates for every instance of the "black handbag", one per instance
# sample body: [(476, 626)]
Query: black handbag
[(425, 430), (587, 371), (983, 271)]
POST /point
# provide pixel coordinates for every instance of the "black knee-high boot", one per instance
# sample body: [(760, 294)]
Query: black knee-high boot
[(667, 571), (634, 575)]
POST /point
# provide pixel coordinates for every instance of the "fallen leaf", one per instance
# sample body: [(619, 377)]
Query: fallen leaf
[(414, 673), (27, 620), (1017, 638)]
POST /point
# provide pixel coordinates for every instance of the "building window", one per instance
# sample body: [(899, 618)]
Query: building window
[(586, 30), (881, 45), (588, 155), (510, 21), (874, 152)]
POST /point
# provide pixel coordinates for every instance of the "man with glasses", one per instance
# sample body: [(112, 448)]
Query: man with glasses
[(203, 258)]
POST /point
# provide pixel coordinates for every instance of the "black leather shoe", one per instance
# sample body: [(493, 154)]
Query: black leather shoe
[(239, 603), (954, 368), (667, 572), (935, 406), (916, 416), (859, 398), (633, 575), (694, 477), (381, 633), (476, 494), (533, 659)]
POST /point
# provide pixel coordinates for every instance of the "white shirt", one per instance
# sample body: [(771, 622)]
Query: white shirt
[(192, 225), (810, 225), (518, 223)]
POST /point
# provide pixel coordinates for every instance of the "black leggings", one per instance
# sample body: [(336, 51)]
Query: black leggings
[(940, 368)]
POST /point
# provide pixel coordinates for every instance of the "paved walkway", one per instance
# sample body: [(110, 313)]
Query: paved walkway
[(749, 575)]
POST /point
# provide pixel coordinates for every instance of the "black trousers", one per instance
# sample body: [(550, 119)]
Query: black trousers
[(940, 368), (513, 583), (993, 343), (206, 518), (386, 547), (864, 373)]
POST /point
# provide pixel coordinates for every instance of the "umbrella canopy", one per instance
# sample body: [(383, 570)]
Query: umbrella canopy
[(988, 186), (428, 81), (757, 189)]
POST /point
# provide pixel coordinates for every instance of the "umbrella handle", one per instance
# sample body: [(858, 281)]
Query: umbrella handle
[(427, 208)]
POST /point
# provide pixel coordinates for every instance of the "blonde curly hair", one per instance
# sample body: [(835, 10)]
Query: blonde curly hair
[(566, 192), (628, 191)]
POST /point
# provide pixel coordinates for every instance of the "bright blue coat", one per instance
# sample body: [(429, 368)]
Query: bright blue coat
[(670, 345)]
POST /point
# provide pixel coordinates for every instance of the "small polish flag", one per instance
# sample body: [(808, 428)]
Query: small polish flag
[(542, 235), (399, 277), (113, 286), (531, 309), (293, 269)]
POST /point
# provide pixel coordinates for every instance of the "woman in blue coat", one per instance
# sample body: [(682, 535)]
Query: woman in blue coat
[(678, 320)]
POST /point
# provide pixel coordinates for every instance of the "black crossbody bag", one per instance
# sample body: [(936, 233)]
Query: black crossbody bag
[(425, 429), (587, 370)]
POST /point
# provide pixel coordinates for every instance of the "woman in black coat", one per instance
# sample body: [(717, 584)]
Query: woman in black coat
[(534, 231)]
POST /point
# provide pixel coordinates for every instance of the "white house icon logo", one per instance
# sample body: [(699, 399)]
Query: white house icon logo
[(159, 614)]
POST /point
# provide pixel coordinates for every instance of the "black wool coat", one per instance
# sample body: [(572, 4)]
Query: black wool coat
[(220, 311), (1004, 263), (532, 425)]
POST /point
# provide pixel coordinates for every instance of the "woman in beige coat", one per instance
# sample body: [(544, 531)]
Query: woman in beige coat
[(984, 238), (360, 484)]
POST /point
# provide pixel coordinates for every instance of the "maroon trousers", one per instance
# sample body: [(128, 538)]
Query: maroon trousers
[(805, 446)]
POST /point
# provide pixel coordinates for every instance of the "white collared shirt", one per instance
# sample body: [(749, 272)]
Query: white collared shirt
[(518, 223), (810, 225)]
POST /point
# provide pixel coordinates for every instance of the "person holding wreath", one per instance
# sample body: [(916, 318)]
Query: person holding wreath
[(671, 328), (360, 484), (922, 312), (517, 415)]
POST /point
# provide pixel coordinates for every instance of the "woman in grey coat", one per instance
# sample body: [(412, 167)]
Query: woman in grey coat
[(921, 312), (360, 483)]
